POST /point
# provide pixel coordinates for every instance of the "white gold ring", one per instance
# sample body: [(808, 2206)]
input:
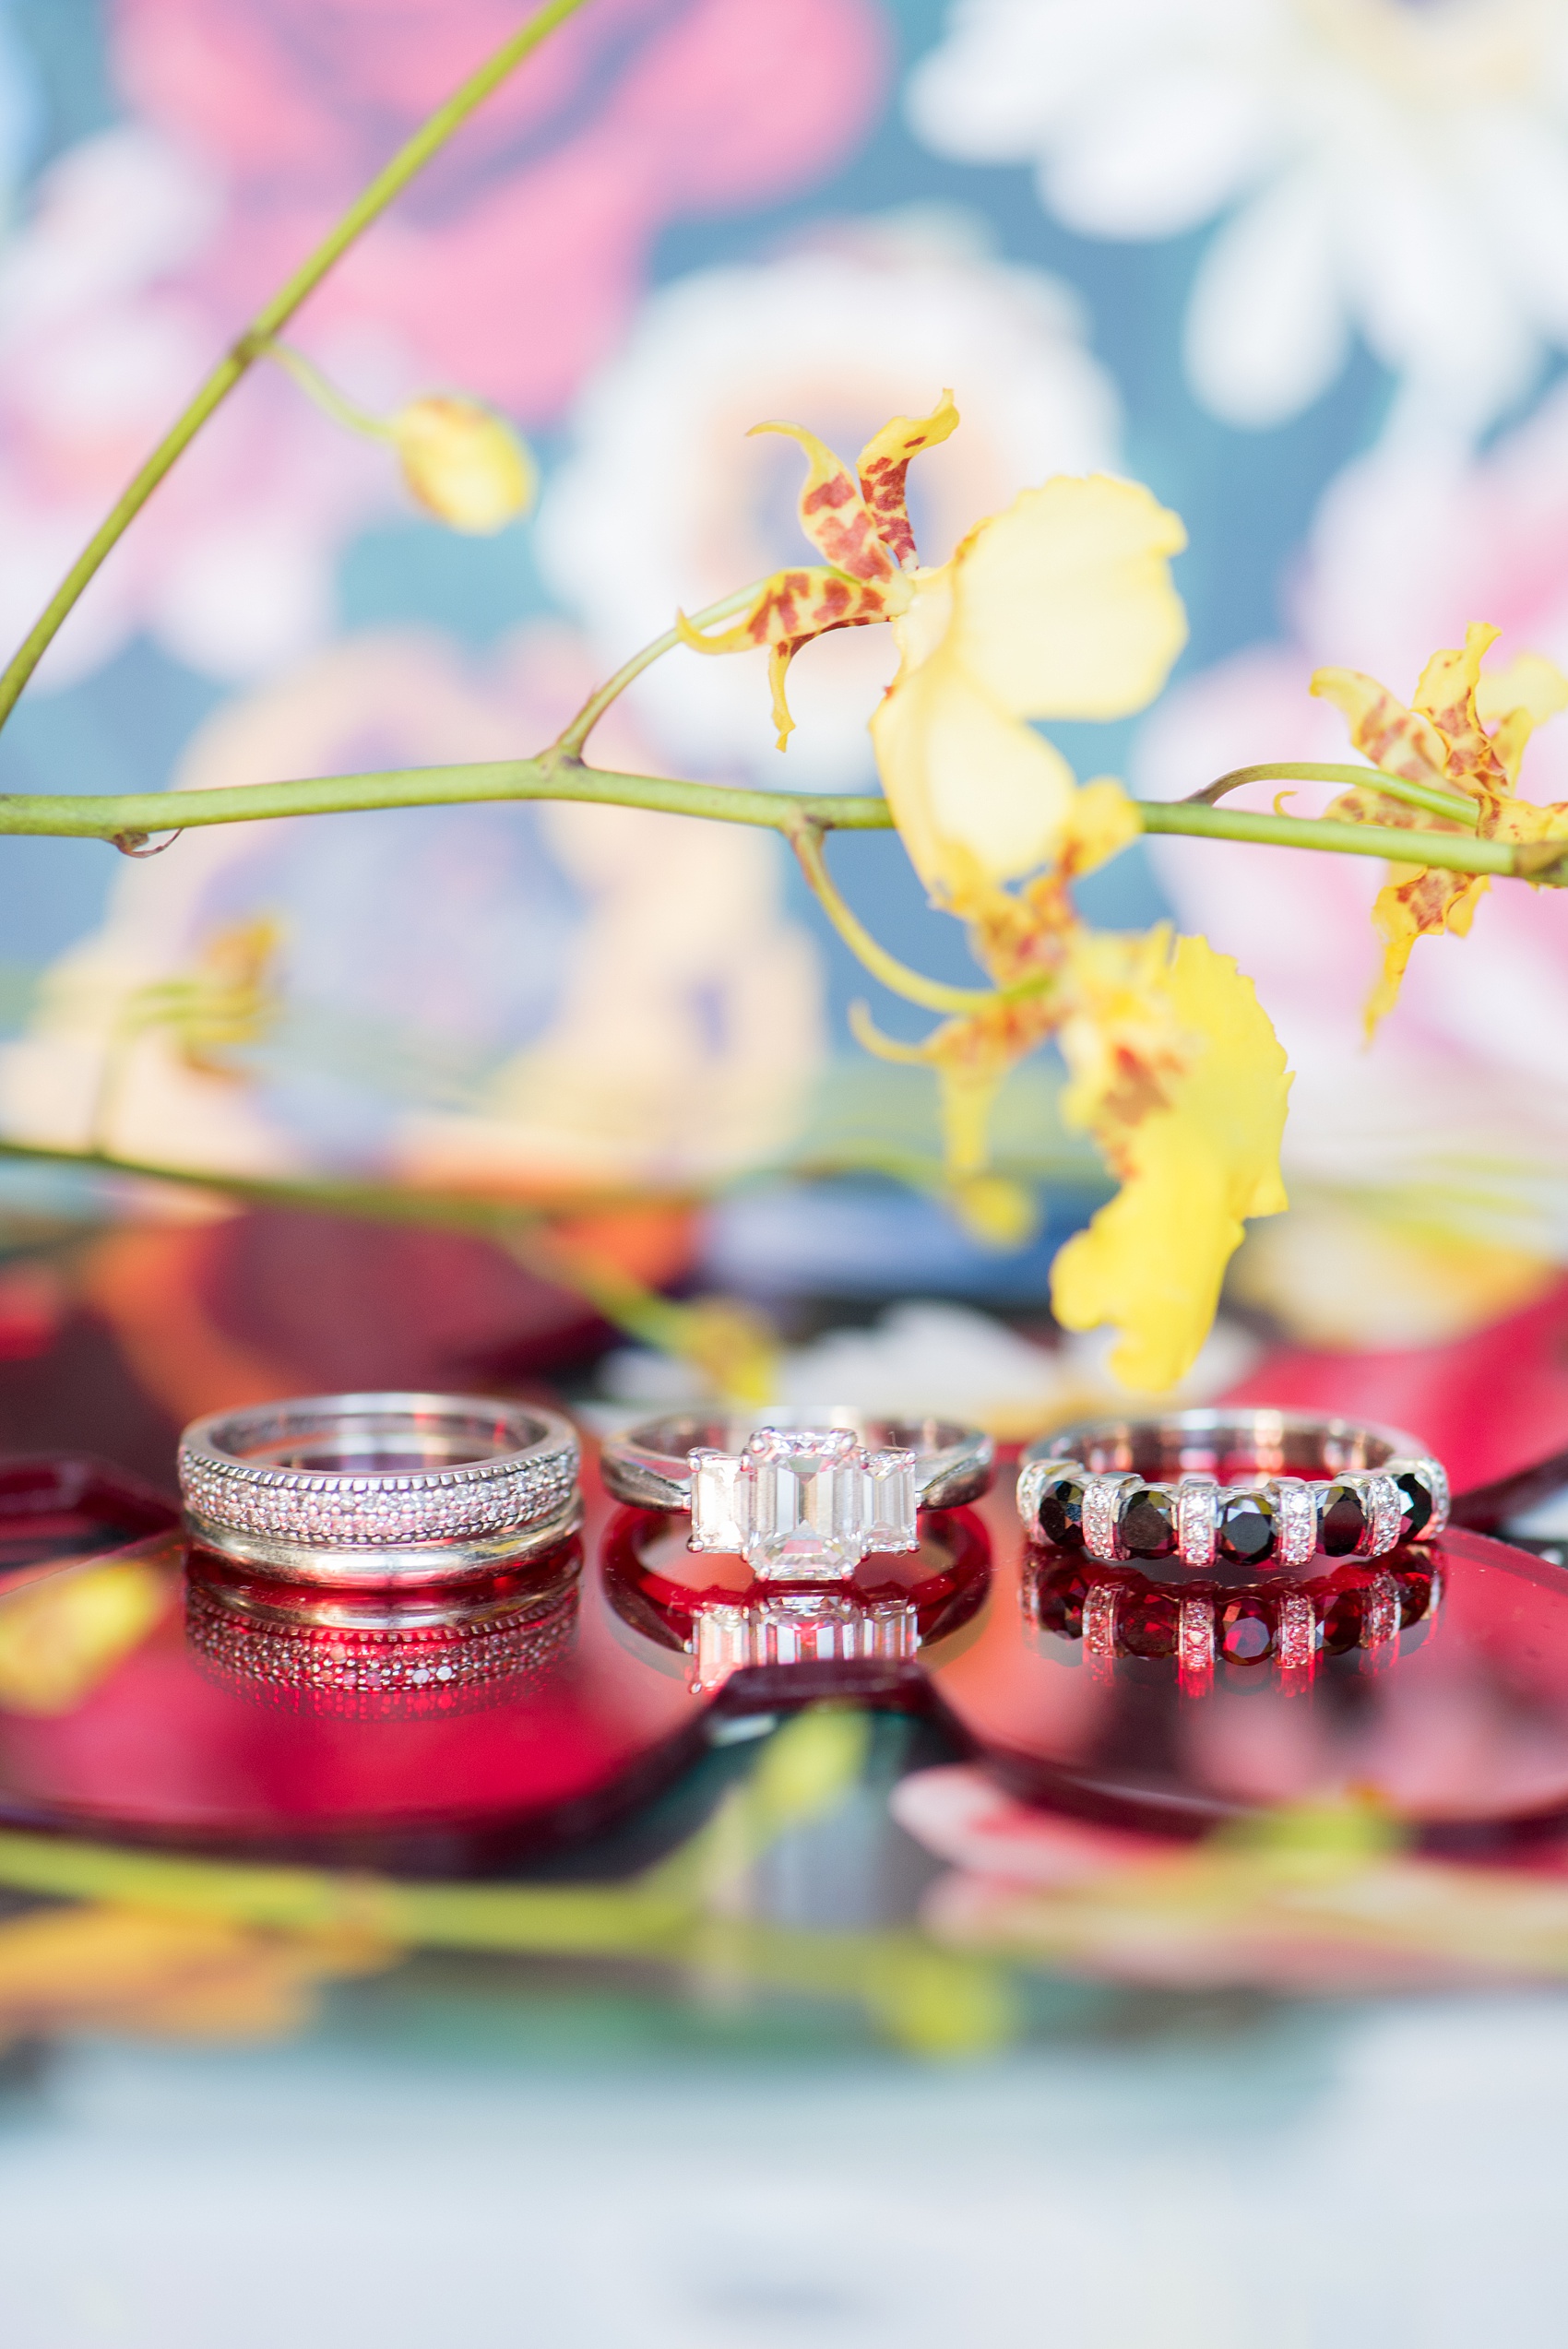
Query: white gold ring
[(1228, 1491), (376, 1489), (800, 1500)]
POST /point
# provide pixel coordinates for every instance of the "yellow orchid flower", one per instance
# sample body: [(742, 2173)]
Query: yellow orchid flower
[(1061, 607), (860, 522), (463, 463), (1176, 1071), (1463, 732)]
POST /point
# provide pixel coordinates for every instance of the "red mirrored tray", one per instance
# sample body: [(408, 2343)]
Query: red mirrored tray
[(149, 1693)]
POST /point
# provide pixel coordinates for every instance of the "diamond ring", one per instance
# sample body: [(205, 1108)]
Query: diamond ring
[(374, 1489), (1227, 1493), (803, 1502)]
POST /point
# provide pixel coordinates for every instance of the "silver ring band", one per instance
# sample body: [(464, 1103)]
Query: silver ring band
[(371, 1489), (1227, 1490), (800, 1500), (650, 1465)]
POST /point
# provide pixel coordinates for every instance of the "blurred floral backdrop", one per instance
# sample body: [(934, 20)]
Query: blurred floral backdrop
[(1301, 268)]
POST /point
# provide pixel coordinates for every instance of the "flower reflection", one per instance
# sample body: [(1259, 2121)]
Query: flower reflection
[(379, 1655), (146, 1972)]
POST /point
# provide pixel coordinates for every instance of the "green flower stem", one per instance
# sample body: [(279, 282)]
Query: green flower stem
[(326, 396), (803, 817), (806, 837), (268, 321), (1453, 804), (134, 815), (499, 1219), (569, 742), (1541, 861)]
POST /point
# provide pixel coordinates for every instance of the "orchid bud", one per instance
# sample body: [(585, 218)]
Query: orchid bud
[(464, 463)]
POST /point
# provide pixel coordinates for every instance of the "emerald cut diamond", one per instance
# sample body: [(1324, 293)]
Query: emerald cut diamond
[(803, 1505)]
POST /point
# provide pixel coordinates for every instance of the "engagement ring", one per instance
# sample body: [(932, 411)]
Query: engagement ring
[(803, 1503)]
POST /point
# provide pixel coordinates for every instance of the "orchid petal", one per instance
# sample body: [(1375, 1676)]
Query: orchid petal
[(977, 798), (1064, 605), (834, 516), (1400, 741), (1513, 701), (787, 611), (884, 464), (1198, 1150)]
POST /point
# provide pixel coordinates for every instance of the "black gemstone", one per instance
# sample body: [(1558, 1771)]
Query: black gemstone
[(1342, 1520), (1061, 1513), (1342, 1623), (1416, 1505), (1243, 1632), (1414, 1586), (1246, 1528), (1148, 1523), (1059, 1602), (1146, 1623)]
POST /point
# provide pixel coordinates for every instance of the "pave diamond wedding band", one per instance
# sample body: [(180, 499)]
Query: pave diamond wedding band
[(376, 1489), (1228, 1493), (802, 1500)]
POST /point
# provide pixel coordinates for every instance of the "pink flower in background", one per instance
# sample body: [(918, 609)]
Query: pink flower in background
[(512, 267), (102, 338)]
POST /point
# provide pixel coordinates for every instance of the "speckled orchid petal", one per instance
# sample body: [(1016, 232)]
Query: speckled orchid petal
[(1195, 1139), (883, 464), (1444, 739), (977, 798), (1513, 700), (834, 516), (1398, 739), (787, 611), (1063, 606)]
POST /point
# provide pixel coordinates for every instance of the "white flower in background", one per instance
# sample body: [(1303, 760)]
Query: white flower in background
[(107, 323), (1385, 166), (930, 1355), (667, 505), (1426, 1173), (553, 994)]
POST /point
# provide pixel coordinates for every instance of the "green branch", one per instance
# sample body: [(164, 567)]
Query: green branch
[(934, 994), (1451, 804), (275, 315), (1541, 861), (133, 815)]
